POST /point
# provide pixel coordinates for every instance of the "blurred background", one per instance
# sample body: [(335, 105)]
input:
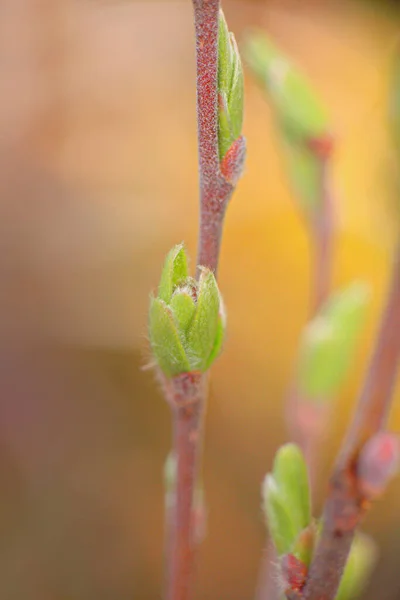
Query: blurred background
[(98, 179)]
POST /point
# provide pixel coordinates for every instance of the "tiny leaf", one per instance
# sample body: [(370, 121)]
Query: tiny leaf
[(164, 338), (174, 272), (291, 476), (329, 340), (280, 525), (203, 329), (183, 308), (363, 555)]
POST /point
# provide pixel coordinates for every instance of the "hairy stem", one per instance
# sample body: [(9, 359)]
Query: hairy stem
[(186, 394), (216, 187), (346, 505)]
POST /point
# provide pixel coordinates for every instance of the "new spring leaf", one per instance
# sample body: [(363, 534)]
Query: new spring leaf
[(300, 116), (329, 341), (186, 318), (286, 498), (230, 89)]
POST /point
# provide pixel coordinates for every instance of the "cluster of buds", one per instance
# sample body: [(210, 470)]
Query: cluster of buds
[(287, 508), (186, 319)]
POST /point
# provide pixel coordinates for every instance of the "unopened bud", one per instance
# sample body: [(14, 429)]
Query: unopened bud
[(328, 342), (186, 318), (378, 463), (230, 89)]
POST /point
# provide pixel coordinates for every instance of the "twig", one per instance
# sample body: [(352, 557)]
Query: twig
[(346, 505), (217, 181), (187, 393)]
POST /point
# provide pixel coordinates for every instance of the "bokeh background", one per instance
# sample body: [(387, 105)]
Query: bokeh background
[(98, 178)]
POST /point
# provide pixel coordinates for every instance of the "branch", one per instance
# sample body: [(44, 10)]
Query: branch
[(346, 504), (187, 395), (186, 392), (217, 180)]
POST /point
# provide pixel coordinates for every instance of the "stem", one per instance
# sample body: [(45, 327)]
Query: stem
[(346, 505), (216, 187), (186, 394)]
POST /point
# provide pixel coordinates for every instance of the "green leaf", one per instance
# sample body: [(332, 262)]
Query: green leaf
[(298, 108), (225, 56), (164, 339), (218, 343), (202, 332), (236, 93), (291, 476), (183, 308), (230, 89), (225, 131), (360, 563), (280, 525), (174, 272), (329, 341)]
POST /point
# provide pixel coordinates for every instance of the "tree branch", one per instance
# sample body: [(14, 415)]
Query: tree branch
[(346, 504), (217, 180), (187, 395)]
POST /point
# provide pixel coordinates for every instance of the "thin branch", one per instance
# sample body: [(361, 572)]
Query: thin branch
[(346, 505), (217, 180), (187, 395)]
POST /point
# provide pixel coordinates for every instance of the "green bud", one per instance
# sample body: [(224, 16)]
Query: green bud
[(291, 475), (186, 319), (174, 272), (297, 107), (363, 555), (203, 331), (299, 114), (286, 500), (280, 525), (329, 341), (165, 341), (230, 89)]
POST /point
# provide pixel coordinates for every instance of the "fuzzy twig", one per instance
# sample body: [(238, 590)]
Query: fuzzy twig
[(346, 504), (217, 180), (186, 394)]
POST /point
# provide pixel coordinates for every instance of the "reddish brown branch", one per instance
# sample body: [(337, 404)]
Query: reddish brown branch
[(186, 394), (346, 504), (217, 181)]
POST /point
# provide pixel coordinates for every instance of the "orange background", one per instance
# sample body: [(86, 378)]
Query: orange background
[(98, 179)]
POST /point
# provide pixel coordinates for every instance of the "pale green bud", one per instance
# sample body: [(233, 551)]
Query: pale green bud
[(186, 319), (230, 89), (300, 116), (286, 500), (297, 107), (362, 558), (329, 341)]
